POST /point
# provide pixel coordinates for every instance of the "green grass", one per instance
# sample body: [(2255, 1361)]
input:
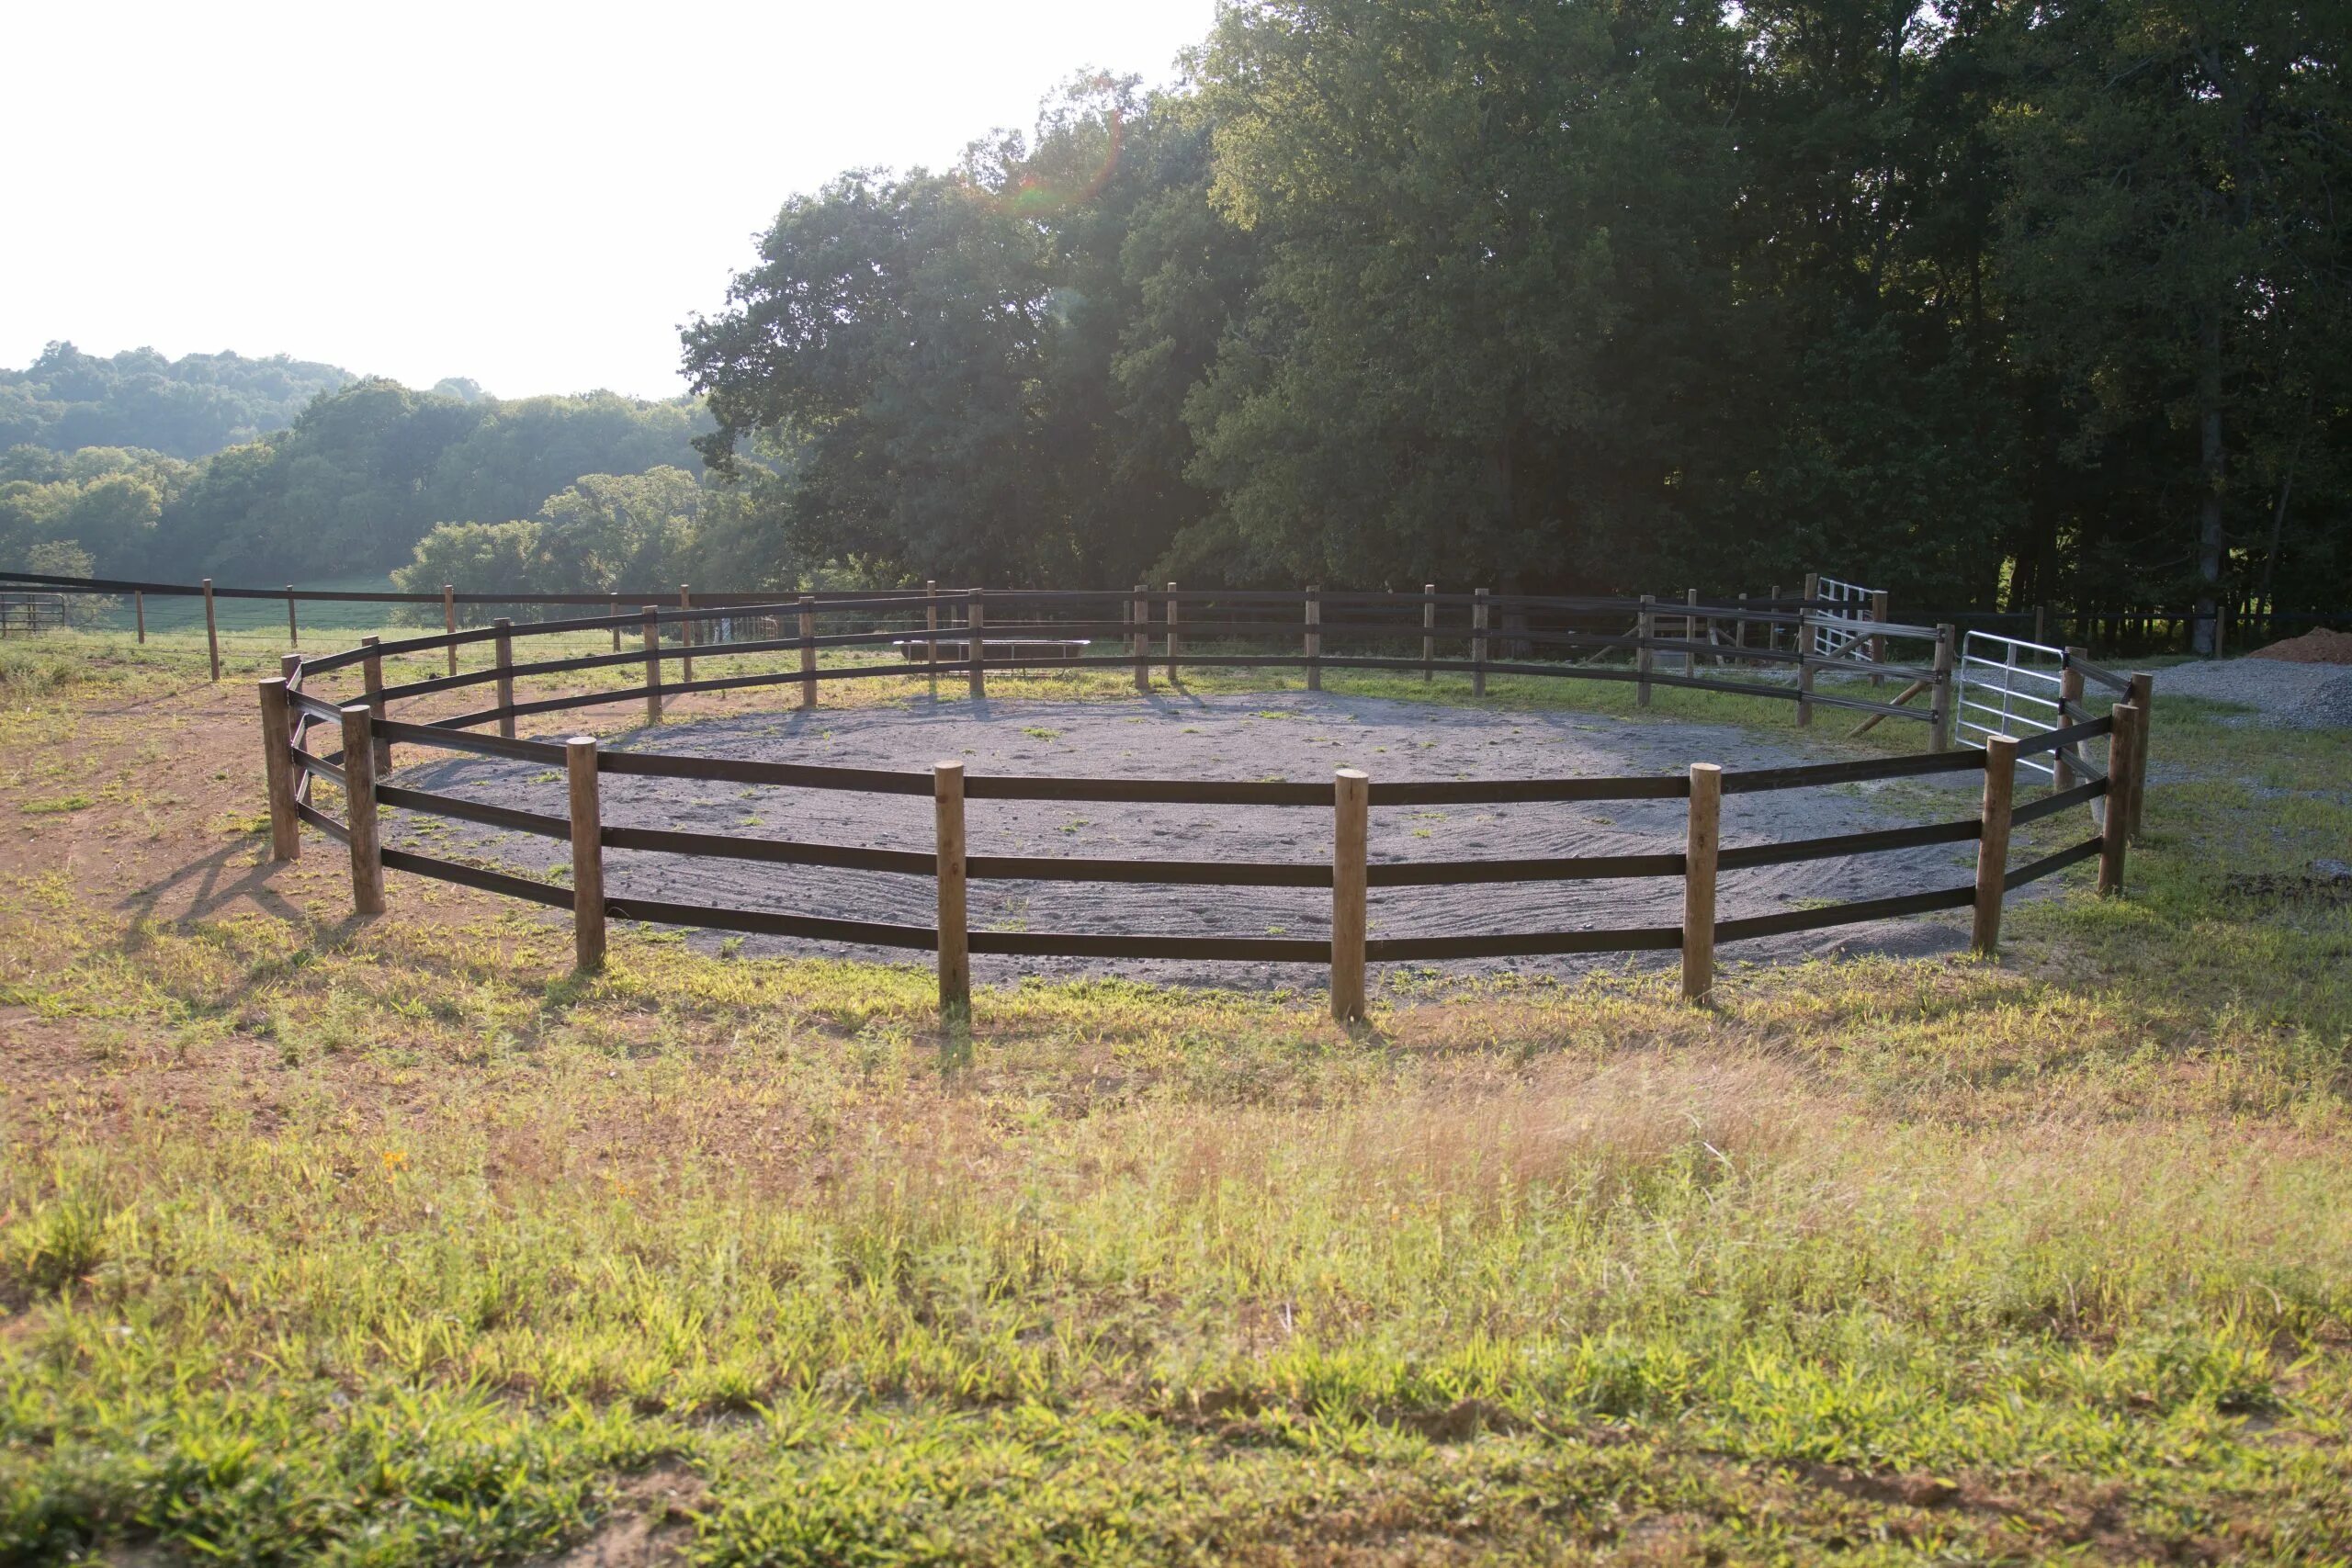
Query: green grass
[(397, 1243)]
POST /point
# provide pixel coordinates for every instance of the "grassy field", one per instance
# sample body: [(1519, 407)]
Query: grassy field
[(395, 1242)]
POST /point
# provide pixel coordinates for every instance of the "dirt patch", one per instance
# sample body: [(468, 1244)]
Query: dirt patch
[(648, 1525), (1294, 735), (2318, 645)]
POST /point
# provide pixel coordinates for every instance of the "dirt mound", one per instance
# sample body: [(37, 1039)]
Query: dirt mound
[(2318, 645)]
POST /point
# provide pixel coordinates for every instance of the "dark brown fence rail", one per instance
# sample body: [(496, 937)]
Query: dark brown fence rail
[(1167, 630)]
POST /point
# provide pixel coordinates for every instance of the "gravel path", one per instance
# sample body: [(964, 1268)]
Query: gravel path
[(1292, 735), (2294, 696)]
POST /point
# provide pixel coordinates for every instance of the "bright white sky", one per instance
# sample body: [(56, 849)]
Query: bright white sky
[(534, 194)]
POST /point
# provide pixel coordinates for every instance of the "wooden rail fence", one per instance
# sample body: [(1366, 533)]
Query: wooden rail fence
[(367, 734)]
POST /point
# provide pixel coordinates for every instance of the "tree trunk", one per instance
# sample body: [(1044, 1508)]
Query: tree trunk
[(2209, 539), (2269, 602)]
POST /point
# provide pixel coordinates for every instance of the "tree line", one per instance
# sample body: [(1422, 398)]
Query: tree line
[(353, 486), (185, 408), (1985, 302)]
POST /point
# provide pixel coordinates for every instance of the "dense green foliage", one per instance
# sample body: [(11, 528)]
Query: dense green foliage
[(101, 505), (1975, 300), (647, 532), (364, 474), (360, 477), (183, 408)]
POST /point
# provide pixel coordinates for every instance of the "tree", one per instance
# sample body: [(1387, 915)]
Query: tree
[(2177, 249), (1496, 306), (979, 374)]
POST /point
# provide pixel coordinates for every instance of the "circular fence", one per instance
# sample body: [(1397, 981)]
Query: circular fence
[(968, 635)]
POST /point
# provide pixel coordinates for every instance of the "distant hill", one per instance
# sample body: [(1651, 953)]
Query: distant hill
[(189, 407)]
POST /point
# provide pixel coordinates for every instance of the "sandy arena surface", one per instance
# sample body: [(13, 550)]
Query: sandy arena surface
[(1298, 736)]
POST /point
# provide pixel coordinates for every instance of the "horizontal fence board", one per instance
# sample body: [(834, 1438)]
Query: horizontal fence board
[(2107, 678), (1086, 945), (1173, 873), (2051, 865), (1750, 780), (322, 822), (314, 707), (1847, 914), (1522, 945), (2051, 805), (1166, 792), (773, 852), (318, 766), (741, 770), (447, 737), (512, 818), (481, 878), (1790, 852), (2072, 735), (1564, 868), (864, 934), (1498, 792)]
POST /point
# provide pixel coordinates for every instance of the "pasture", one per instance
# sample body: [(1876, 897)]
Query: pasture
[(396, 1241)]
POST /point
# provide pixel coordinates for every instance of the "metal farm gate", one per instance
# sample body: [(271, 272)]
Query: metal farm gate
[(1853, 603)]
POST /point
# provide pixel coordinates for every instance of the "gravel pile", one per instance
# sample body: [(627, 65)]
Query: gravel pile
[(2294, 696)]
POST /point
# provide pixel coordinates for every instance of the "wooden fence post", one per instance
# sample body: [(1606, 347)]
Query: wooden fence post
[(587, 854), (2143, 697), (1141, 628), (371, 674), (930, 627), (1172, 636), (1478, 642), (2121, 752), (1739, 627), (1428, 632), (2041, 626), (1940, 718), (359, 811), (976, 643), (808, 652), (1314, 643), (685, 637), (505, 645), (1808, 642), (1351, 827), (653, 664), (617, 625), (1878, 639), (278, 769), (449, 620), (211, 629), (1645, 626), (1993, 840), (1701, 845), (2070, 704), (954, 941), (139, 611), (1691, 633), (293, 632)]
